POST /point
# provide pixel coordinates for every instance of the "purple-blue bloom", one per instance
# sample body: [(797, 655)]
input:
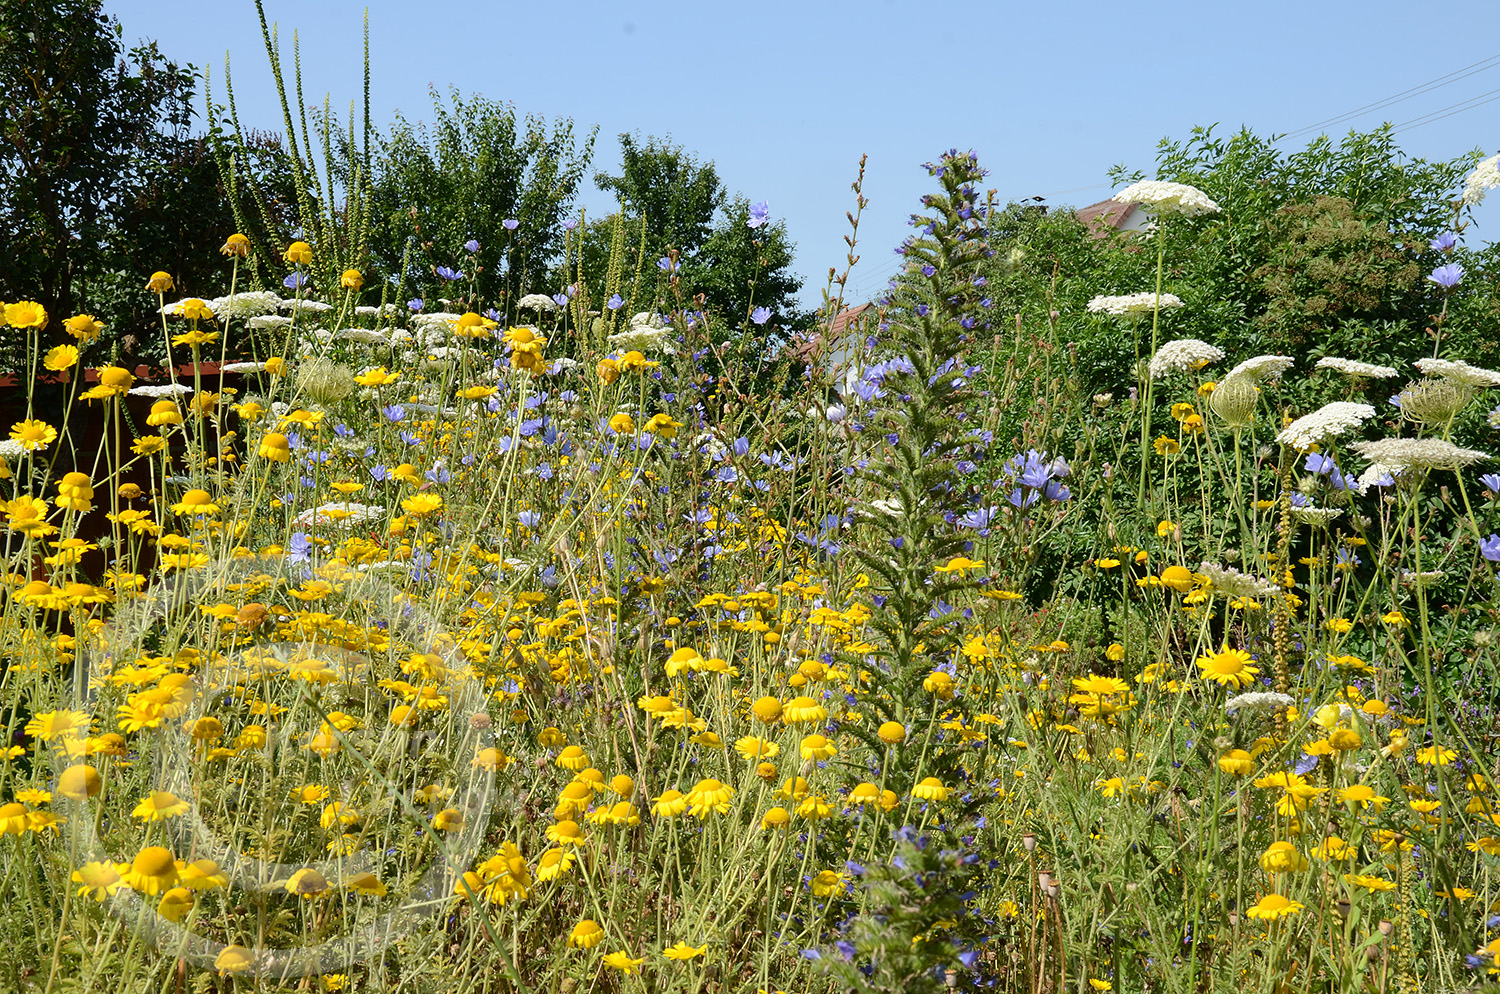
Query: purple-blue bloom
[(760, 315), (560, 299), (510, 224), (665, 264), (1444, 242), (295, 281), (1447, 276), (1490, 548), (449, 274), (615, 302), (471, 246), (1319, 463), (759, 214), (415, 304), (1491, 482)]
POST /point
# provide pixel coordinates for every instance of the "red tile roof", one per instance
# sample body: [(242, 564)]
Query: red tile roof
[(833, 331), (1105, 216)]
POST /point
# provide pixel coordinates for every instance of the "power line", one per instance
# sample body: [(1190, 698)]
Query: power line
[(1404, 95), (1448, 111)]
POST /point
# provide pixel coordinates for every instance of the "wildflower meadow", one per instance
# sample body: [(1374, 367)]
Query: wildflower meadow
[(570, 634)]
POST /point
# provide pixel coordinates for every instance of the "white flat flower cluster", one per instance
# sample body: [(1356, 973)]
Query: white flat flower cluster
[(174, 309), (1183, 356), (344, 513), (647, 332), (1417, 453), (537, 302), (436, 321), (1162, 197), (1374, 473), (1328, 421), (1316, 515), (1262, 367), (364, 336), (292, 304), (159, 390), (1485, 177), (1353, 367), (371, 311), (1231, 582), (249, 304), (266, 321), (1457, 369), (1132, 305), (1258, 700), (244, 367)]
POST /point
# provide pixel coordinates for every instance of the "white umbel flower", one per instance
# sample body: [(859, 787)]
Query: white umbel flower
[(1316, 515), (1263, 367), (1183, 356), (537, 302), (364, 336), (161, 390), (1133, 305), (1457, 369), (11, 449), (249, 304), (1417, 453), (1161, 197), (435, 324), (292, 304), (341, 513), (268, 321), (1353, 367), (1268, 702), (642, 338), (1328, 421), (1484, 178), (1374, 474), (1231, 582)]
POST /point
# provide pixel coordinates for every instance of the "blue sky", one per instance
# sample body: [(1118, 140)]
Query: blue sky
[(784, 96)]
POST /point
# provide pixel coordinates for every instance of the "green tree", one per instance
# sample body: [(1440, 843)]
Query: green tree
[(1318, 251), (436, 188), (676, 207), (98, 171), (677, 195)]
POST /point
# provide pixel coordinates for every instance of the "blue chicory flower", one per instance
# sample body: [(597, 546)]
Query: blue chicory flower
[(1444, 242), (759, 214), (471, 246), (1490, 548), (510, 224), (760, 315), (1447, 276)]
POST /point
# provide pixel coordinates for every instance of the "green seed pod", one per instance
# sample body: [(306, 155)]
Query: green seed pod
[(1435, 402), (1234, 400), (324, 382)]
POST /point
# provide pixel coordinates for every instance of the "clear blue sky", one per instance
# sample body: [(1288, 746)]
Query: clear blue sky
[(784, 97)]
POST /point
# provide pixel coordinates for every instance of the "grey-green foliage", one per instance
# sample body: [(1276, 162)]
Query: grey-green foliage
[(913, 485), (478, 164)]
